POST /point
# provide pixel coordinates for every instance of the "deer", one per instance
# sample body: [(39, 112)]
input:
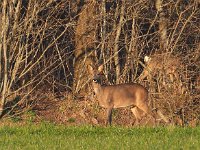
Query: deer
[(161, 63), (121, 95), (164, 66)]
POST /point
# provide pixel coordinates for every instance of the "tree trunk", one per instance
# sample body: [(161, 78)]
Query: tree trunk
[(116, 44), (103, 29), (162, 26), (4, 57), (131, 52), (85, 46)]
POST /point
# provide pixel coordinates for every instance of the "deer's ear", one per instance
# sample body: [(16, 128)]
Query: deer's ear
[(90, 69), (100, 68)]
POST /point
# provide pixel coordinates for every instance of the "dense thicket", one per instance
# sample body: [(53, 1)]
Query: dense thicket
[(47, 45)]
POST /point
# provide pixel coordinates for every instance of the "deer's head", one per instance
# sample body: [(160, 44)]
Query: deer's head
[(96, 74)]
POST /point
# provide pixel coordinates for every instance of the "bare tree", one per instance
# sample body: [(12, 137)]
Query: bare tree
[(116, 43), (23, 50), (85, 45), (48, 44), (162, 26)]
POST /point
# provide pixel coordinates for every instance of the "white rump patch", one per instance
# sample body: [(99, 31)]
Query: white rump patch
[(147, 59)]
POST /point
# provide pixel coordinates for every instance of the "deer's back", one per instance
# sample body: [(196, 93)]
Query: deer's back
[(122, 95)]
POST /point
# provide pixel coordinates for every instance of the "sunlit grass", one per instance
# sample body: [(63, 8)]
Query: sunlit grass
[(49, 136)]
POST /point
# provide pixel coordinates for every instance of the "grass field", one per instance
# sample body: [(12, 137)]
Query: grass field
[(49, 136)]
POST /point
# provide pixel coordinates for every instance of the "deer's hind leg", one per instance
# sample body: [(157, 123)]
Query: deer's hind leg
[(145, 108), (138, 115)]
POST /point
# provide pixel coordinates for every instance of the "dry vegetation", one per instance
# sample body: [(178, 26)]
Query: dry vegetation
[(45, 47)]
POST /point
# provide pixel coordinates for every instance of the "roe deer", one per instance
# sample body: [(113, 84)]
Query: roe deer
[(120, 95), (164, 67), (167, 65)]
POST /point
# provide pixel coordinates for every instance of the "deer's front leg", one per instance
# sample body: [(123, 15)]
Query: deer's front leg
[(109, 116)]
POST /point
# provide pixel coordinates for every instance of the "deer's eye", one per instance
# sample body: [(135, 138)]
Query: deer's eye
[(95, 80)]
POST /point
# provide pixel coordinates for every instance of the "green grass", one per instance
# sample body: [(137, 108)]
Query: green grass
[(49, 136)]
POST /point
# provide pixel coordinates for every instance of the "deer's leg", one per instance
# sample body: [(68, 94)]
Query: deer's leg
[(144, 107), (137, 115), (163, 117), (109, 116)]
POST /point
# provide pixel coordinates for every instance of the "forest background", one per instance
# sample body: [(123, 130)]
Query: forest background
[(46, 46)]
